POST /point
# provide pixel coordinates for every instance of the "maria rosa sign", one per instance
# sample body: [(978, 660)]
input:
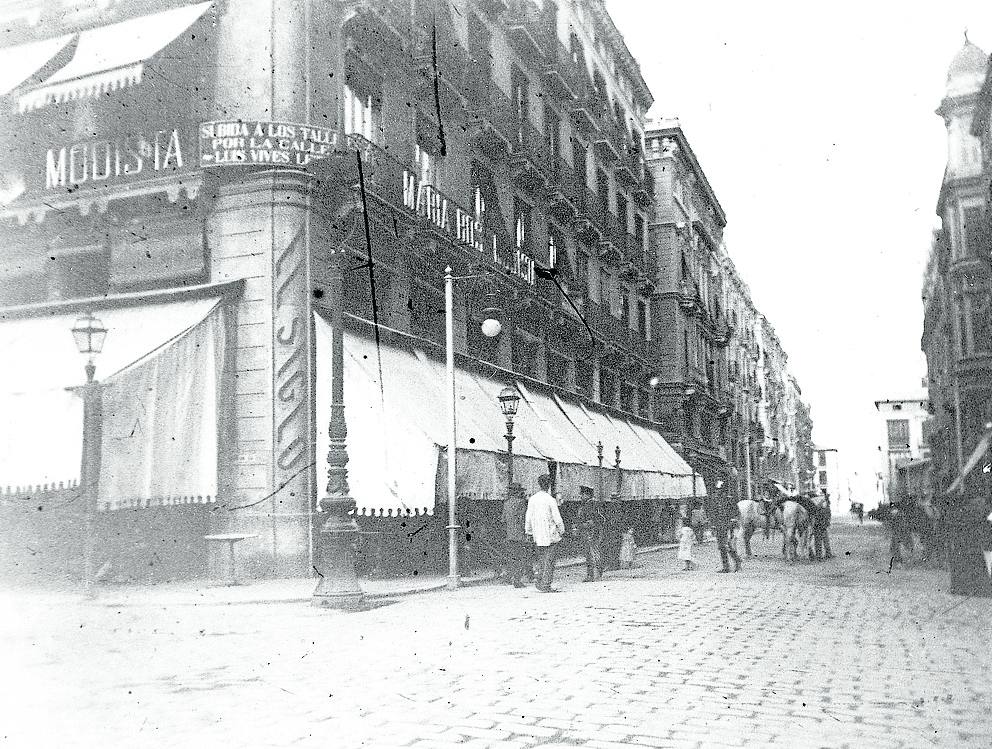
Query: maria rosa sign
[(249, 142)]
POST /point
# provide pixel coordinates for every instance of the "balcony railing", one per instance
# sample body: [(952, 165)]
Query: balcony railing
[(562, 186), (590, 217), (527, 29), (490, 109), (529, 153), (612, 244), (611, 143), (386, 178), (644, 194), (392, 16), (563, 75)]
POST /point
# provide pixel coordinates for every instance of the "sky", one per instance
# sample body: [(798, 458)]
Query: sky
[(815, 125)]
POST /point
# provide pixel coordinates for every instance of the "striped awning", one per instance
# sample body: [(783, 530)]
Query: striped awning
[(112, 57)]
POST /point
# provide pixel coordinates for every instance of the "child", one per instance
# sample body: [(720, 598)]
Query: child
[(686, 538), (628, 549)]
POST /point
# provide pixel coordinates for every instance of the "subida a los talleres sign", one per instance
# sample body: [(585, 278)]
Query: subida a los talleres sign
[(252, 142)]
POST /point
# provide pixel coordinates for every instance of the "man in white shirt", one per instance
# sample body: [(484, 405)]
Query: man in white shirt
[(544, 525)]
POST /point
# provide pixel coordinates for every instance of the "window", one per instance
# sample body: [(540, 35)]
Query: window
[(973, 231), (639, 234), (607, 386), (521, 98), (685, 347), (605, 290), (524, 355), (603, 187), (521, 223), (558, 366), (361, 114), (822, 458), (583, 377), (582, 270), (623, 300), (580, 163), (622, 211), (898, 430), (426, 164), (642, 318), (823, 478), (552, 131)]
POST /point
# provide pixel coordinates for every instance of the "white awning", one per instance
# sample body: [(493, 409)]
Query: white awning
[(19, 63), (113, 57), (41, 439)]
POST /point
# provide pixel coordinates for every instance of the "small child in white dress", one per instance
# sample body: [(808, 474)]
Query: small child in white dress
[(628, 549), (687, 539)]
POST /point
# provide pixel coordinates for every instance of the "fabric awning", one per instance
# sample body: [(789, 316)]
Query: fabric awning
[(19, 63), (976, 457), (41, 442), (112, 57), (396, 409)]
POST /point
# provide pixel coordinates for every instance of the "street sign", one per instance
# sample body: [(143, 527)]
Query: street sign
[(255, 142)]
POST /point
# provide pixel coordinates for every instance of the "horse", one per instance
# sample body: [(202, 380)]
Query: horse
[(757, 515), (797, 530)]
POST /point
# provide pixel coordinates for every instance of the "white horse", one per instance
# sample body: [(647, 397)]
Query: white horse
[(797, 531), (754, 519)]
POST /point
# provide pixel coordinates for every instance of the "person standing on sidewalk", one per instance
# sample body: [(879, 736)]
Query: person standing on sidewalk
[(591, 523), (687, 538), (544, 524), (517, 546), (821, 527), (723, 527)]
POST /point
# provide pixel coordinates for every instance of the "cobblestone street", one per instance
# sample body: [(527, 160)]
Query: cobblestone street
[(840, 653)]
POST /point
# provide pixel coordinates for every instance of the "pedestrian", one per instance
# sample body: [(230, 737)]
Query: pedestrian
[(687, 538), (821, 527), (517, 545), (899, 530), (986, 539), (722, 528), (543, 523), (628, 549), (699, 520), (591, 523)]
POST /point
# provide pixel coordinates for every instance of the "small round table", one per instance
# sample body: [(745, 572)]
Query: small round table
[(231, 539)]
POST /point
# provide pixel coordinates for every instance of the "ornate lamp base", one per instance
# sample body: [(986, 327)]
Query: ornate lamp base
[(338, 587)]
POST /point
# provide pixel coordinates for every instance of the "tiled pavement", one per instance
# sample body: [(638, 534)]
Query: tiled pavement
[(841, 653)]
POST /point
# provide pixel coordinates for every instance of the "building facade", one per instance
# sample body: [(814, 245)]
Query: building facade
[(153, 166), (957, 285), (903, 436), (829, 479)]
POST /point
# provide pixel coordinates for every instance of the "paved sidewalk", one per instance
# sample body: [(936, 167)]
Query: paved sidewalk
[(281, 590), (845, 653)]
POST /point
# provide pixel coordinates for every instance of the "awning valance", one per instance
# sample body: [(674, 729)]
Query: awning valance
[(396, 410), (41, 439), (19, 63), (112, 57)]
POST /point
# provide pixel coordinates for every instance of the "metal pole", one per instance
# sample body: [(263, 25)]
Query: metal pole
[(92, 436), (599, 457), (449, 343), (338, 586), (509, 455)]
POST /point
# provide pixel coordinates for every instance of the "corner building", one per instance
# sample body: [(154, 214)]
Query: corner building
[(191, 172)]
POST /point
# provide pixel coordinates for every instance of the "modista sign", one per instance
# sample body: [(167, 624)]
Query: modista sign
[(249, 142)]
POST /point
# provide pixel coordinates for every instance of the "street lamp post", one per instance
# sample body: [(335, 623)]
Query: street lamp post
[(89, 334), (338, 586), (599, 458), (509, 400), (491, 327)]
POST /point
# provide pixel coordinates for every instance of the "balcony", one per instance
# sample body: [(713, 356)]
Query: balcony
[(452, 66), (630, 168), (529, 156), (489, 114), (611, 144), (589, 215), (644, 192), (375, 20), (526, 29), (562, 74), (689, 299), (562, 194), (606, 326), (584, 108), (612, 243), (385, 176)]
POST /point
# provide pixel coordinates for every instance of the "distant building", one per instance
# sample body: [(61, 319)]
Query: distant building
[(828, 477), (902, 438)]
